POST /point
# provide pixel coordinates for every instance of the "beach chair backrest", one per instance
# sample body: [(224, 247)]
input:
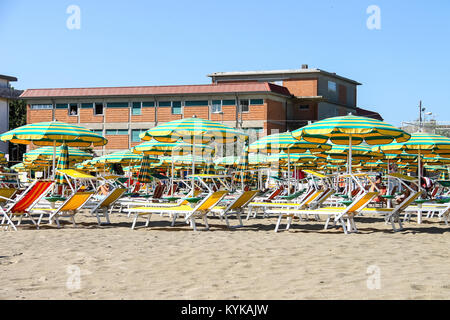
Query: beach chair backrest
[(113, 196), (6, 193), (34, 194), (275, 193), (76, 201), (361, 202), (312, 197), (325, 195), (243, 199), (409, 200), (159, 190), (211, 200)]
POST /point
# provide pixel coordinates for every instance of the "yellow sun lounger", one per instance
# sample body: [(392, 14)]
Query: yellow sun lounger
[(68, 209), (338, 213), (105, 205), (201, 210), (235, 207)]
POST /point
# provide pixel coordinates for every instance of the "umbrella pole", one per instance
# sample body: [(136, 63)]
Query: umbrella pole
[(350, 167), (54, 156), (289, 172), (193, 166), (171, 181)]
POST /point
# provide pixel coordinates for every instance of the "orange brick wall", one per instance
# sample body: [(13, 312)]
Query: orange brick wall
[(87, 116), (117, 114), (117, 141), (63, 116), (165, 115), (256, 112), (310, 114), (38, 115), (275, 110), (302, 87), (147, 115), (200, 112)]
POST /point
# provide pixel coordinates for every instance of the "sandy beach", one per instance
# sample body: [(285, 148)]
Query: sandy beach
[(253, 262)]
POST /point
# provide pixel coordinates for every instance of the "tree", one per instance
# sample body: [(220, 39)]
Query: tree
[(17, 118)]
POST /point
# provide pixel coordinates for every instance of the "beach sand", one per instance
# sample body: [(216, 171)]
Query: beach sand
[(253, 262)]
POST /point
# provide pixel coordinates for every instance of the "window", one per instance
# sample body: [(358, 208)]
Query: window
[(137, 109), (86, 105), (216, 106), (196, 103), (257, 102), (73, 109), (62, 106), (332, 86), (99, 132), (228, 102), (176, 107), (117, 105), (304, 107), (244, 105), (98, 110), (42, 106), (147, 104), (135, 134), (165, 104), (113, 132)]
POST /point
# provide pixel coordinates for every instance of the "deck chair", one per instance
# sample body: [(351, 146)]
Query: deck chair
[(104, 206), (338, 213), (392, 215), (22, 205), (68, 209), (235, 207), (6, 194), (273, 195), (201, 210), (305, 201)]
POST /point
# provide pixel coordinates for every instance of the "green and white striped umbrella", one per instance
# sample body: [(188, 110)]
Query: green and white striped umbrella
[(359, 129), (359, 152), (423, 143), (124, 157), (154, 147), (63, 164), (286, 142), (194, 130), (144, 175), (54, 133), (46, 153)]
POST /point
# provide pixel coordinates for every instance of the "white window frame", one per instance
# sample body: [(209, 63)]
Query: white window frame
[(95, 109), (240, 105), (41, 106), (78, 109), (213, 105)]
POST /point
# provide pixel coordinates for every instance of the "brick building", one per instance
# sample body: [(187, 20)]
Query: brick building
[(259, 102)]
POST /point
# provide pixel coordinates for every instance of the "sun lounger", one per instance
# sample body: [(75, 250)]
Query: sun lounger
[(339, 213), (104, 206), (68, 209), (199, 211), (235, 207), (22, 205)]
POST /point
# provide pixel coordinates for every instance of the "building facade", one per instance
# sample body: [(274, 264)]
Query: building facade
[(7, 93), (259, 102)]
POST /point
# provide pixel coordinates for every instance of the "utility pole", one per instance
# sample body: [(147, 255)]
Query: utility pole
[(420, 116)]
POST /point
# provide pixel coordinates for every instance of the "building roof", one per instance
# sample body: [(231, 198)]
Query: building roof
[(245, 87), (9, 78), (10, 93), (277, 73), (368, 113)]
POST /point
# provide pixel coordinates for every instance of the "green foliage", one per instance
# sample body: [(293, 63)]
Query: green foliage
[(17, 113)]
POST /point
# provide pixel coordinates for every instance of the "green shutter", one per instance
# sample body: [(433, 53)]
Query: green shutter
[(228, 102), (197, 103), (62, 106), (165, 104), (257, 102), (117, 105), (148, 104)]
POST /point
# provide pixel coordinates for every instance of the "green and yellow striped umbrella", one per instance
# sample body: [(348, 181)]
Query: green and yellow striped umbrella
[(242, 167), (175, 148), (306, 157), (193, 130), (286, 142), (46, 153), (444, 175), (124, 157), (355, 129), (359, 152), (227, 161), (423, 143), (144, 175), (54, 133), (63, 164)]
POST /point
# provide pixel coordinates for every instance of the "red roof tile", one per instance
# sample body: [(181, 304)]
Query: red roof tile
[(157, 90)]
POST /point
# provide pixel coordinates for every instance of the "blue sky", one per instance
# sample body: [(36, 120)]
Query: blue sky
[(132, 42)]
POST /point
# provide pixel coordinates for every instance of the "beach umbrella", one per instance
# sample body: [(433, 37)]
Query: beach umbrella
[(195, 131), (144, 175), (54, 133), (123, 157), (351, 130), (242, 166), (63, 164), (46, 153), (285, 142), (421, 144)]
